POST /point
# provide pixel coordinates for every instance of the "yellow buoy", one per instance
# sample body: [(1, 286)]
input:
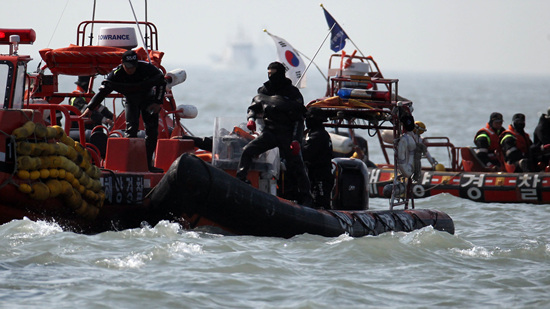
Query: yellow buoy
[(59, 132), (45, 162), (56, 161), (34, 175), (66, 188), (75, 183), (40, 191), (24, 131), (78, 172), (25, 188), (74, 200), (55, 187), (24, 148), (36, 149), (54, 173), (40, 130), (67, 140), (84, 179), (69, 177), (71, 153), (25, 163), (62, 149), (81, 189), (44, 173), (62, 174), (51, 132), (90, 195), (23, 174), (47, 149)]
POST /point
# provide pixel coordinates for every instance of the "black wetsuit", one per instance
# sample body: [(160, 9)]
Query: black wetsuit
[(317, 152), (141, 89), (541, 137), (281, 106)]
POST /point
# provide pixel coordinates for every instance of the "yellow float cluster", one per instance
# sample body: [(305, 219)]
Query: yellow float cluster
[(57, 166)]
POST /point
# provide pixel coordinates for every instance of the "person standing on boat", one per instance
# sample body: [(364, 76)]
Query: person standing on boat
[(487, 142), (281, 106), (540, 150), (419, 128), (515, 144), (100, 116), (409, 150), (143, 85), (317, 152)]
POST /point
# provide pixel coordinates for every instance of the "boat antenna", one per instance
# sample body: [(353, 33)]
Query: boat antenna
[(146, 36), (316, 53), (139, 29), (93, 19), (56, 25)]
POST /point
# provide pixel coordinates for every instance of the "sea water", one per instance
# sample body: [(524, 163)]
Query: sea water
[(499, 256)]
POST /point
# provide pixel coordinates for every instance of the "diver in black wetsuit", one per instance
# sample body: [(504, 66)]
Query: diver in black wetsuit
[(144, 86), (281, 106), (317, 152)]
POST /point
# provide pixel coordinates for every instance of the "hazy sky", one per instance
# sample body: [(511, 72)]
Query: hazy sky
[(479, 36)]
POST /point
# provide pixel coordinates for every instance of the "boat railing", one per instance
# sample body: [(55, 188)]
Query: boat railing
[(444, 142), (336, 72)]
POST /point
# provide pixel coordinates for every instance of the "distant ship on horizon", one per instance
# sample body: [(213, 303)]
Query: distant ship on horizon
[(239, 53)]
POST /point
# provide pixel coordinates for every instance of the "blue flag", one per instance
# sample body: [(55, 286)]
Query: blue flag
[(338, 36)]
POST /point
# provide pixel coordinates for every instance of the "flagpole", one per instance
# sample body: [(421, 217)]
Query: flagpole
[(316, 53), (315, 64)]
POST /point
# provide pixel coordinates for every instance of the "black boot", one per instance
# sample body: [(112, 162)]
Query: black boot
[(241, 175), (150, 151)]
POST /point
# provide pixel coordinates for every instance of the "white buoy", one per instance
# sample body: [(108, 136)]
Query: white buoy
[(187, 111), (341, 144), (175, 77)]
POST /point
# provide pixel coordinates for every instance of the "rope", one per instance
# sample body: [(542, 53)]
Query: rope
[(56, 25)]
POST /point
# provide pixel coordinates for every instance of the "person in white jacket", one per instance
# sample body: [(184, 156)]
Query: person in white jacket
[(409, 150)]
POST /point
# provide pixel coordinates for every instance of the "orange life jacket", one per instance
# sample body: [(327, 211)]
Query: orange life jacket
[(523, 141), (493, 138)]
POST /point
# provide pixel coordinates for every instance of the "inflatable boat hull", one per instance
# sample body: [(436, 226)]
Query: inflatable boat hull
[(201, 191)]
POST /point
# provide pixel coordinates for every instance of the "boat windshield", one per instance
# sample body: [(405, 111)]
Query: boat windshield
[(6, 83), (19, 87), (4, 86)]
